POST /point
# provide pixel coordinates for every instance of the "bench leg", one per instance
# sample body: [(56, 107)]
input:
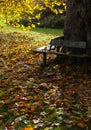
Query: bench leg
[(44, 59), (86, 65)]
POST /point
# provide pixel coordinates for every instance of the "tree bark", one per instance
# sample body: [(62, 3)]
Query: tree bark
[(88, 10), (78, 21)]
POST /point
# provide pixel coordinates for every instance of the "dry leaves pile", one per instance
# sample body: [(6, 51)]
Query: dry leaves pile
[(35, 98)]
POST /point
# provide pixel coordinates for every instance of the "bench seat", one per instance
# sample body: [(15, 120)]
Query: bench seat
[(44, 50)]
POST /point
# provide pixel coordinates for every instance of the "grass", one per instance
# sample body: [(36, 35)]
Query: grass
[(41, 34), (49, 31)]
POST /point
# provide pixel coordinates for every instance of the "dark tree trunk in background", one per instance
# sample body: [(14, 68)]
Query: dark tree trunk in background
[(78, 21)]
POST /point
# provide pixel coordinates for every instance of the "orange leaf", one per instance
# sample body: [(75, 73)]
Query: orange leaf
[(35, 98), (32, 109), (81, 124), (38, 105), (28, 128), (28, 105)]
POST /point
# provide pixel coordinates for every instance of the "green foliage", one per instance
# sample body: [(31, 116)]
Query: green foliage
[(53, 21)]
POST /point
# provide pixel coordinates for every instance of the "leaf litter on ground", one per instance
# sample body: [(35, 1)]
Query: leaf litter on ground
[(38, 98)]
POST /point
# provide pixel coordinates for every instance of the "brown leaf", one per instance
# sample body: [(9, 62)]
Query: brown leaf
[(81, 124)]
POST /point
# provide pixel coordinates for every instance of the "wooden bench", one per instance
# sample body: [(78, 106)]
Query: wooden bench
[(66, 48)]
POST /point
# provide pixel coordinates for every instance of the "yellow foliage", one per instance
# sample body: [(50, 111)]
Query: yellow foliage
[(60, 11), (14, 10), (33, 26)]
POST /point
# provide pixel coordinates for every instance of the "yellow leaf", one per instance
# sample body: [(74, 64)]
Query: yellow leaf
[(46, 129)]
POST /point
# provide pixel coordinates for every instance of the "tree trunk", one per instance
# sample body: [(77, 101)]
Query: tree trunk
[(89, 22), (78, 21)]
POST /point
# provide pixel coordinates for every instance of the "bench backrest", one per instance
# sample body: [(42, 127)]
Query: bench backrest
[(74, 44), (59, 41)]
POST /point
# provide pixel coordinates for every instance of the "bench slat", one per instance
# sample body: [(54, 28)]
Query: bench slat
[(74, 44), (42, 49), (45, 49), (59, 41)]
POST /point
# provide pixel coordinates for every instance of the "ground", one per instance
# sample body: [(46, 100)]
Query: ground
[(37, 98)]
